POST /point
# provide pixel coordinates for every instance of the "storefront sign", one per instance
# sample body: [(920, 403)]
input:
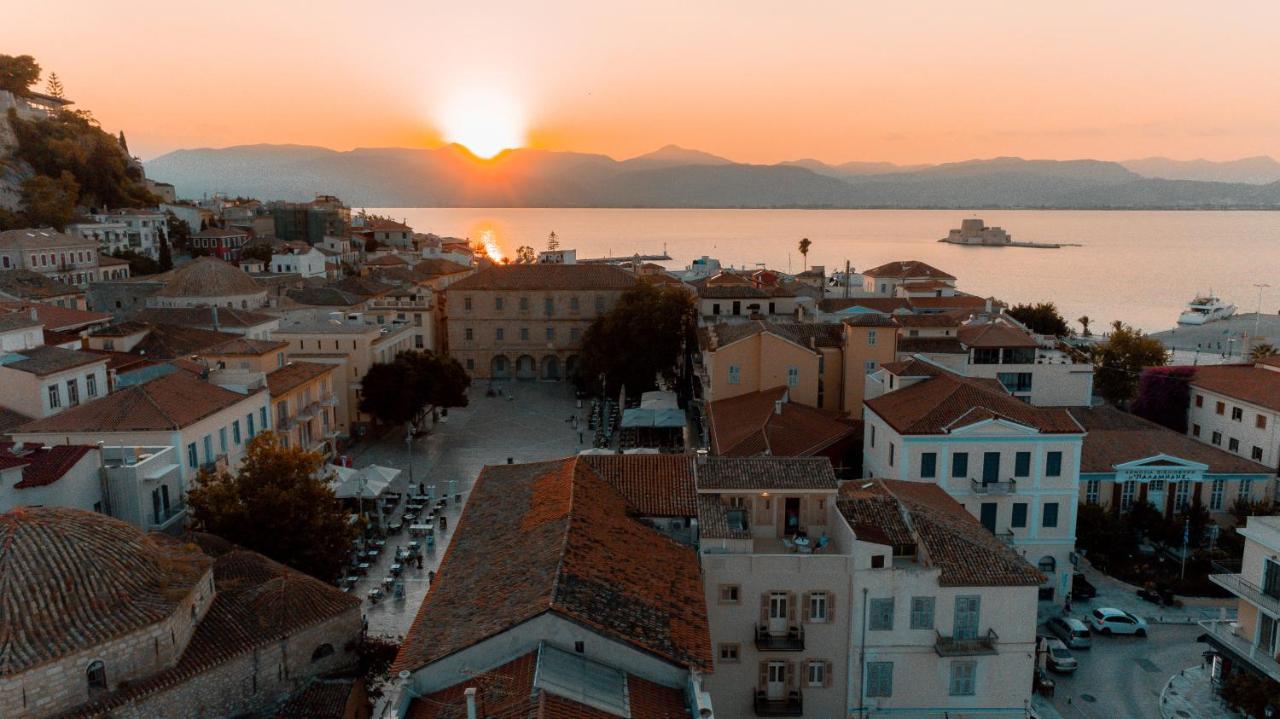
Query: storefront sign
[(1167, 474)]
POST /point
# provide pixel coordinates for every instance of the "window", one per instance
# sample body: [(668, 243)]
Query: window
[(96, 675), (573, 304), (1195, 430), (1015, 381), (872, 436), (574, 333), (733, 374), (193, 460), (549, 306), (729, 594), (1243, 491), (524, 303), (869, 366), (1050, 515), (1091, 491), (871, 337), (1220, 408), (469, 334), (929, 465), (729, 653), (322, 651), (817, 673), (73, 393), (818, 607), (497, 303), (222, 440), (877, 561), (1256, 453), (892, 452), (524, 334), (1180, 496), (208, 448), (1260, 422), (235, 431), (1271, 579), (466, 303), (1199, 400), (879, 679), (1019, 520), (1216, 491), (91, 385), (262, 414), (1053, 464), (960, 464), (962, 678), (1022, 464), (551, 334), (881, 618), (1237, 414), (55, 400), (1233, 444), (1216, 438), (1127, 491), (499, 334), (793, 376), (249, 420), (922, 612), (471, 364), (599, 303)]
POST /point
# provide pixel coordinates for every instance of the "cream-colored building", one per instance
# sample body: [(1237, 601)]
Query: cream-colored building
[(884, 281), (527, 321), (1250, 643), (69, 259), (1237, 409), (304, 404)]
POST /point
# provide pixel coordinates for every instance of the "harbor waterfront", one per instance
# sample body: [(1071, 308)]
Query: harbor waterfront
[(1138, 267)]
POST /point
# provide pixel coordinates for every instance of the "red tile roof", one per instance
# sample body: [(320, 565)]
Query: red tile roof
[(44, 466), (55, 318), (748, 425), (995, 334), (946, 401), (1247, 383), (295, 374), (654, 485), (547, 277), (908, 269), (878, 304), (958, 302), (555, 537), (1117, 437)]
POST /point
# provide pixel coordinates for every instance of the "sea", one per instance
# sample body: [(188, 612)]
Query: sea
[(1139, 267)]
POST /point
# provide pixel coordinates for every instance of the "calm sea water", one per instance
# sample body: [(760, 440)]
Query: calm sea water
[(1139, 267)]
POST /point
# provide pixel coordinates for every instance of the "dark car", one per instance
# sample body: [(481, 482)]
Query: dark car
[(1082, 589)]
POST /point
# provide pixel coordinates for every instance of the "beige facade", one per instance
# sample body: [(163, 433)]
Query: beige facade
[(868, 345), (304, 405), (765, 360), (1249, 643)]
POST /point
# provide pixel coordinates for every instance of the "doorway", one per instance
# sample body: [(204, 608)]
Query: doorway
[(778, 616), (990, 467), (776, 682), (990, 511), (791, 515)]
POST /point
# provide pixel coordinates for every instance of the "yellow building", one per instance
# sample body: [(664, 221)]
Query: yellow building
[(303, 404)]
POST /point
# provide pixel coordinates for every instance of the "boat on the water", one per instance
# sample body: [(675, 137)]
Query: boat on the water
[(1204, 309)]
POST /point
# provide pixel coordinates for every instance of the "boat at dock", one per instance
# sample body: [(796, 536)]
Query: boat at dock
[(975, 233), (1205, 309)]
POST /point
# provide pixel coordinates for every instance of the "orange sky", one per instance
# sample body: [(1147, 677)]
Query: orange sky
[(838, 80)]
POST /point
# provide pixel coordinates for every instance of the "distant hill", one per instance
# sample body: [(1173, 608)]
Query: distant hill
[(1259, 170), (672, 176)]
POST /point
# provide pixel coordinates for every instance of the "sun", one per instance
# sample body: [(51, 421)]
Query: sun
[(486, 123)]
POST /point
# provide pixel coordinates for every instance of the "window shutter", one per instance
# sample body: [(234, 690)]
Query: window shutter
[(826, 675), (831, 606), (764, 676), (791, 607), (804, 608), (764, 609), (791, 675)]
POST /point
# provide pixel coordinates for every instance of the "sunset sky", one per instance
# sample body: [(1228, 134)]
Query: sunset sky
[(754, 81)]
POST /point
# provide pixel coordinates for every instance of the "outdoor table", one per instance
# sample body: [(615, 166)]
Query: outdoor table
[(420, 530), (362, 568), (388, 581), (375, 594), (396, 568), (409, 516), (414, 546), (803, 545), (395, 527), (419, 498)]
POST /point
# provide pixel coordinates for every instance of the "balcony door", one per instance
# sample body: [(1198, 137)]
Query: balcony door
[(989, 512), (966, 622), (990, 467), (1266, 634), (778, 613), (1271, 579), (776, 684)]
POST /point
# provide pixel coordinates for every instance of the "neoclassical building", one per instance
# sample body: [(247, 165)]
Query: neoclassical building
[(99, 619), (527, 321)]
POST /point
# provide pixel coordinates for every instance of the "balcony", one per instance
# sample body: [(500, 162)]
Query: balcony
[(978, 646), (1234, 582), (993, 488), (175, 517), (1223, 633), (790, 706), (792, 641)]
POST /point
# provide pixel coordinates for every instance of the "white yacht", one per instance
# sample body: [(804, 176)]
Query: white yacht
[(1205, 309)]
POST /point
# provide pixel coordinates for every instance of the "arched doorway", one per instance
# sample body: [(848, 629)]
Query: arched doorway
[(571, 366), (550, 368), (500, 367), (526, 368)]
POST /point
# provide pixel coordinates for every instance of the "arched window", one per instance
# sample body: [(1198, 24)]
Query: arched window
[(1047, 565), (97, 676), (321, 652)]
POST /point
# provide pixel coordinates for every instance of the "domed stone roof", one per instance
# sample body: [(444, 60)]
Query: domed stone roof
[(209, 277), (71, 579)]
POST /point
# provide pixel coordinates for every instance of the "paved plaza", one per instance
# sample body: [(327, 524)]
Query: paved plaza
[(527, 423)]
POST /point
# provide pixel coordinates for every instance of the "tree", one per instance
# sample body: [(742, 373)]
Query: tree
[(1163, 396), (1263, 350), (260, 251), (278, 504), (371, 245), (1084, 323), (525, 255), (124, 144), (139, 265), (166, 256), (553, 242), (200, 252), (805, 244), (1119, 362), (48, 202), (178, 230), (375, 657), (18, 73), (640, 339), (401, 391), (1042, 318), (54, 86)]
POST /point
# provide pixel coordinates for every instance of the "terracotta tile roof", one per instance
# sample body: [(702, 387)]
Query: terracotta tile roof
[(1247, 383), (1117, 437), (805, 334), (878, 304), (925, 285), (945, 534), (9, 419), (217, 233), (109, 261), (547, 277), (947, 401), (11, 321), (122, 361), (53, 317), (748, 425), (870, 319), (56, 601), (365, 286), (713, 520), (165, 341), (321, 699), (120, 329), (930, 345), (929, 320), (908, 269), (995, 334), (44, 466), (41, 239), (46, 360), (731, 292), (246, 347), (385, 261), (912, 368), (958, 302), (295, 374), (554, 537), (28, 285), (766, 473), (208, 277), (325, 297), (173, 401), (258, 603), (438, 266), (655, 485), (205, 317)]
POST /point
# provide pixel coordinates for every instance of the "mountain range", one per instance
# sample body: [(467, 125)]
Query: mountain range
[(450, 176)]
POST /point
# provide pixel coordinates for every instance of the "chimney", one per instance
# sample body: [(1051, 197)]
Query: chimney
[(471, 702), (988, 305), (702, 456), (35, 316), (777, 406)]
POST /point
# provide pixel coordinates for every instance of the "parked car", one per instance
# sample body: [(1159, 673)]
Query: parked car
[(1107, 620), (1073, 632), (1058, 658), (1082, 588), (1041, 683)]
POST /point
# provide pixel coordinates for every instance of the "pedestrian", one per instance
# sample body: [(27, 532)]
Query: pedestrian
[(1066, 607), (422, 488), (579, 436)]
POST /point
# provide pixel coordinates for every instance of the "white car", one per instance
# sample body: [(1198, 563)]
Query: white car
[(1058, 658), (1106, 620)]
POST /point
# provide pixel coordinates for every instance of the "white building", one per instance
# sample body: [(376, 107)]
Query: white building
[(1237, 408), (144, 228), (1250, 643), (39, 380), (111, 236), (60, 475), (884, 281), (68, 259), (1014, 466), (307, 263)]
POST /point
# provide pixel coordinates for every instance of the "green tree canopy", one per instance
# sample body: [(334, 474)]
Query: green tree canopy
[(1119, 363), (18, 73), (1164, 393), (1042, 318), (401, 391), (177, 229), (1263, 350), (50, 202), (277, 504), (640, 339), (260, 251), (139, 265)]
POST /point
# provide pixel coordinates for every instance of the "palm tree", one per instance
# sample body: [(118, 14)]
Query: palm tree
[(804, 251), (1084, 322), (1263, 350)]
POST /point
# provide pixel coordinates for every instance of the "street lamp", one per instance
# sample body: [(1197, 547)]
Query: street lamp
[(1257, 317)]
